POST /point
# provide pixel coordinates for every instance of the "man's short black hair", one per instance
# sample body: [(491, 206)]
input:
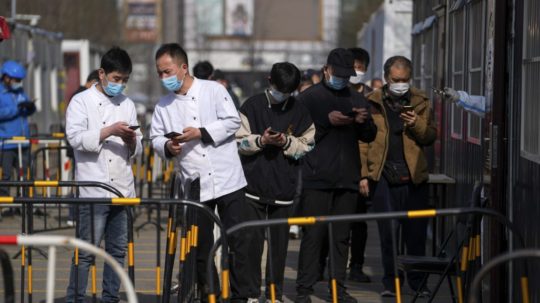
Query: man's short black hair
[(93, 76), (285, 77), (398, 61), (174, 50), (116, 60), (203, 70), (361, 55)]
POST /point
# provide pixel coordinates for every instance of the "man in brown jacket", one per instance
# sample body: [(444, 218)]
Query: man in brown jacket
[(394, 167)]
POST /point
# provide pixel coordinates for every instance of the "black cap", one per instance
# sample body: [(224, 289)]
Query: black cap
[(342, 62)]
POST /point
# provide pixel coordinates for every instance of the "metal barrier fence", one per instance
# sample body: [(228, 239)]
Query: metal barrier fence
[(8, 277), (188, 239), (518, 254), (54, 241), (430, 213), (28, 227)]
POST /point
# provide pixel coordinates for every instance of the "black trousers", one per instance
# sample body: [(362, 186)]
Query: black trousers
[(279, 236), (401, 198), (359, 234), (320, 203), (232, 210), (10, 159)]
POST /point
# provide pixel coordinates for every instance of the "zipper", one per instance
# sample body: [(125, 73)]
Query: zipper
[(385, 152)]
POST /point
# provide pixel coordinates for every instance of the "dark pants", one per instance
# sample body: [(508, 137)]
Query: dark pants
[(232, 210), (359, 234), (401, 198), (10, 159), (279, 236), (321, 203)]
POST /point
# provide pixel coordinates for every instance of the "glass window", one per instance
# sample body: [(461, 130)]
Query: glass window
[(530, 107)]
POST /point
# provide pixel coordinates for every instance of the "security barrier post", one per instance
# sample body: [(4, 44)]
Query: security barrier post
[(332, 265)]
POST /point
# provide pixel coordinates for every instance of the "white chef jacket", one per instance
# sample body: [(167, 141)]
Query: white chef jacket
[(108, 161), (207, 104)]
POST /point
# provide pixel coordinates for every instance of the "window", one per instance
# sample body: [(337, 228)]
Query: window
[(530, 107), (475, 66), (457, 66), (209, 14)]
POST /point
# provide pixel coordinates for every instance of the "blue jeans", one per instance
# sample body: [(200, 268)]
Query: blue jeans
[(110, 223)]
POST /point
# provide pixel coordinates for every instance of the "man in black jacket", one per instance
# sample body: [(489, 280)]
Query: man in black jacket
[(276, 132), (331, 171)]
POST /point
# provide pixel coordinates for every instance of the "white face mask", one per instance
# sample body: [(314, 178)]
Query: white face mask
[(358, 78), (399, 89)]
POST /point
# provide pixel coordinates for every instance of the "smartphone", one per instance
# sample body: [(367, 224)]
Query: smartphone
[(172, 135), (407, 108), (273, 132), (134, 127)]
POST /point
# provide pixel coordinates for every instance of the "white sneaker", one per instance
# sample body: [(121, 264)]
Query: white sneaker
[(70, 223), (294, 232), (252, 300)]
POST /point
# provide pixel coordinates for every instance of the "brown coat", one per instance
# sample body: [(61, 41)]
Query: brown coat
[(423, 133)]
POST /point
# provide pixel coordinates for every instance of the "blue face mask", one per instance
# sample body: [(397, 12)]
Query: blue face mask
[(278, 96), (172, 83), (337, 83), (16, 85), (113, 89)]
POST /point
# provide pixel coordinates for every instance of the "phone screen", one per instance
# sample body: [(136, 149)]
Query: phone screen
[(134, 127)]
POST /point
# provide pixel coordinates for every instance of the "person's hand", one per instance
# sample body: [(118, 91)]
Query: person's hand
[(189, 134), (364, 187), (361, 114), (275, 139), (121, 129), (409, 118), (174, 147), (451, 94), (26, 108), (339, 119)]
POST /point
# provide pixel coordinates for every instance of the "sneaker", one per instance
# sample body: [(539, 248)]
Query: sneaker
[(175, 287), (294, 232), (388, 293), (70, 223), (345, 297), (424, 292), (302, 299), (252, 300), (356, 274)]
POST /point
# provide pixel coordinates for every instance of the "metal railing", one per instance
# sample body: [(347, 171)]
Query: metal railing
[(61, 241), (416, 214)]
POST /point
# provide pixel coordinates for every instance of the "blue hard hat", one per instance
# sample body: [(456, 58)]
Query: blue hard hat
[(13, 69)]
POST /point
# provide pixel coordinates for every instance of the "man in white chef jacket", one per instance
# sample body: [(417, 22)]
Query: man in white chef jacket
[(101, 126), (205, 119)]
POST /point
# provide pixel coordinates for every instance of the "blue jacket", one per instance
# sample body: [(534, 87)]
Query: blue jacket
[(13, 118)]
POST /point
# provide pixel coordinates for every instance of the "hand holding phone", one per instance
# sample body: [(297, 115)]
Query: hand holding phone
[(273, 132), (134, 127), (351, 114), (172, 135)]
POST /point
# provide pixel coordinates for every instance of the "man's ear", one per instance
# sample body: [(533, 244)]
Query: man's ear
[(101, 74)]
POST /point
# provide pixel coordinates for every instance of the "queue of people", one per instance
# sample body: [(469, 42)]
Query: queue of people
[(312, 144)]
